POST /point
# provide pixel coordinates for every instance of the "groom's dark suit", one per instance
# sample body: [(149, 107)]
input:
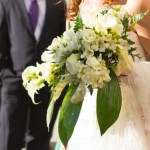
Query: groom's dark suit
[(24, 51), (4, 46)]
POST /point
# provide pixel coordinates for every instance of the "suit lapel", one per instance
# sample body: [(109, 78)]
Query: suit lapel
[(22, 7), (49, 12)]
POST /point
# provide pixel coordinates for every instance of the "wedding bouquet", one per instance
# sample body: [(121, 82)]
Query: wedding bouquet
[(92, 54)]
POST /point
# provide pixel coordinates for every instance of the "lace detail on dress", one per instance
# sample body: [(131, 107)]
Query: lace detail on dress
[(140, 82)]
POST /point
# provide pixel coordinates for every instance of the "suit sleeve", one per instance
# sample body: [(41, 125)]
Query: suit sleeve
[(2, 35), (1, 14), (63, 16)]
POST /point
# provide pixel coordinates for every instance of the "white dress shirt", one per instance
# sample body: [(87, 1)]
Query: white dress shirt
[(41, 17)]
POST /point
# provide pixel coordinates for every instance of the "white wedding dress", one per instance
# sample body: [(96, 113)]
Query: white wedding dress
[(132, 129)]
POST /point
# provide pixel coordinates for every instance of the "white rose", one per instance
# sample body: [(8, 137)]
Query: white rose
[(89, 35)]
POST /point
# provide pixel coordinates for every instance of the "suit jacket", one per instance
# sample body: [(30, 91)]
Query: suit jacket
[(4, 44), (24, 50)]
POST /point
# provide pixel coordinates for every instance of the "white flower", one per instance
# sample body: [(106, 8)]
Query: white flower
[(73, 44), (79, 67), (93, 62), (102, 48), (72, 40), (89, 76), (108, 21), (70, 63), (90, 19), (96, 76), (89, 35), (87, 51), (69, 34), (118, 29), (47, 56), (44, 70), (103, 77), (125, 62), (28, 74), (59, 56), (56, 42), (34, 86)]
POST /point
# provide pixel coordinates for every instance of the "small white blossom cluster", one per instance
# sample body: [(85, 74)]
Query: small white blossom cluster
[(86, 51), (34, 77)]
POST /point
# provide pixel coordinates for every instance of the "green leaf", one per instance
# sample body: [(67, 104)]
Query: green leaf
[(130, 42), (50, 112), (105, 11), (125, 22), (109, 102), (50, 109), (78, 23), (137, 17), (64, 56), (68, 115), (90, 89)]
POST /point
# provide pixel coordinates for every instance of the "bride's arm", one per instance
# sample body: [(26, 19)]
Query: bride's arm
[(143, 27), (141, 78)]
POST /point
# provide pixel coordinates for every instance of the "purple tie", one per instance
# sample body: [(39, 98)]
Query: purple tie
[(33, 14)]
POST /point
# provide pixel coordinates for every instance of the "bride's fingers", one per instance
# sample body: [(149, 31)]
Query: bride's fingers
[(147, 132), (147, 124)]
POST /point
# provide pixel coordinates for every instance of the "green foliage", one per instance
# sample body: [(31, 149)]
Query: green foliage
[(117, 9), (78, 23), (50, 111), (68, 115), (137, 17), (125, 23), (69, 25), (64, 56), (90, 89), (109, 101), (103, 12), (134, 55)]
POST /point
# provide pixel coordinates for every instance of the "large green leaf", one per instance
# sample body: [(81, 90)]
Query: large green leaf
[(50, 112), (69, 115), (50, 109), (109, 102)]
